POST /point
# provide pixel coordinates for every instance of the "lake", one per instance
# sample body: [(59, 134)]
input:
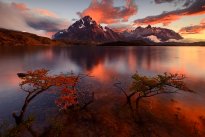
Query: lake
[(105, 64)]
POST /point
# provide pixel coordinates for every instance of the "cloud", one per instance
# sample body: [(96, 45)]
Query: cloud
[(153, 38), (186, 3), (16, 20), (197, 8), (120, 27), (203, 21), (104, 11), (20, 6), (162, 1), (23, 7), (194, 29), (45, 23), (45, 12), (22, 18)]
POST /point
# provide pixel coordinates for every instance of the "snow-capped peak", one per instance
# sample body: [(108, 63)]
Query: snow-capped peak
[(87, 29)]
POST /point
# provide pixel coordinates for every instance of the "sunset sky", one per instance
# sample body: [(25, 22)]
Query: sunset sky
[(45, 17)]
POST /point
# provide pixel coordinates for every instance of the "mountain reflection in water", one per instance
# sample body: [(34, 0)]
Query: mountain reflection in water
[(105, 64)]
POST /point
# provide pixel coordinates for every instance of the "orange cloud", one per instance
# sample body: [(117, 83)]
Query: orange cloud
[(105, 12), (203, 21), (165, 20), (197, 8), (45, 12), (20, 6), (194, 29), (23, 7)]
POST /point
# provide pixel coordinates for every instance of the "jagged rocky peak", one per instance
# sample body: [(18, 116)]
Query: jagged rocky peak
[(88, 19), (83, 23), (87, 29), (149, 27), (139, 27), (162, 34)]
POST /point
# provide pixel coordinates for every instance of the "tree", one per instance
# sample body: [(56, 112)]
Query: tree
[(33, 83), (145, 87), (37, 81)]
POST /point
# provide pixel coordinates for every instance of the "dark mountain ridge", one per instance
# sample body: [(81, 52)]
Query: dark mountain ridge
[(162, 34)]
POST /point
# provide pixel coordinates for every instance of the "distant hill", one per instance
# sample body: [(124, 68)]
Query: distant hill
[(202, 43), (17, 38), (147, 43)]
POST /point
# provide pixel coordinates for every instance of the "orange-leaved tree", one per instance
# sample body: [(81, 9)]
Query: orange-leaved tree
[(37, 81)]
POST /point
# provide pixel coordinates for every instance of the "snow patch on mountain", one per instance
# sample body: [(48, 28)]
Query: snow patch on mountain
[(104, 27), (82, 26)]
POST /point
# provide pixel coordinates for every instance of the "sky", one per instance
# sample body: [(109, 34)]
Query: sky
[(46, 17)]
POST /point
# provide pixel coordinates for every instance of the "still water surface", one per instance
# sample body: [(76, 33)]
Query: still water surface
[(105, 64)]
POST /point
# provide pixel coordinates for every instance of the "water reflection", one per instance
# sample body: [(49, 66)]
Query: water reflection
[(104, 63)]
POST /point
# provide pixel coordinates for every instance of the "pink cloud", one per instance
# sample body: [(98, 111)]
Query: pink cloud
[(20, 6), (45, 12), (24, 8), (121, 27), (194, 29), (203, 21), (104, 11)]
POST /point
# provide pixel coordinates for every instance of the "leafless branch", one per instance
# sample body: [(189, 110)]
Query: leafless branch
[(118, 85)]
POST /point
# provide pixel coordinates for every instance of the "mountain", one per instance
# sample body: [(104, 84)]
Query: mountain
[(87, 30), (17, 38), (153, 33)]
